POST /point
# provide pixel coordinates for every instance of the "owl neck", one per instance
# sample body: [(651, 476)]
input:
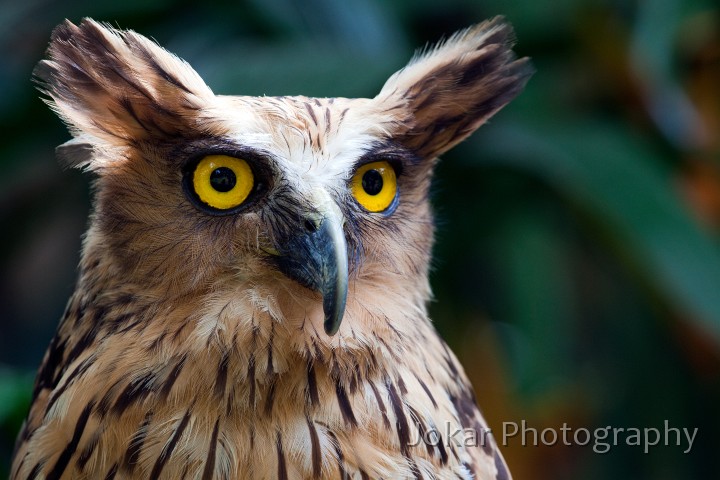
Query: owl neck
[(269, 325)]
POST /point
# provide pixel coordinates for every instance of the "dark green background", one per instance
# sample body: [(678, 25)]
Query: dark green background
[(577, 268)]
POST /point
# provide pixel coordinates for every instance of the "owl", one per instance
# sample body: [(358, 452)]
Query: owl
[(252, 294)]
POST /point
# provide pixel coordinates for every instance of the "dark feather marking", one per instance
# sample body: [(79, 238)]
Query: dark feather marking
[(388, 349), (372, 360), (381, 404), (150, 59), (69, 451), (430, 97), (229, 401), (319, 355), (469, 468), (401, 386), (401, 423), (466, 406), (221, 379), (126, 299), (174, 133), (78, 371), (209, 469), (282, 467), (311, 111), (112, 472), (414, 468), (502, 473), (342, 115), (270, 369), (251, 379), (126, 103), (312, 385), (179, 330), (345, 406), (363, 475), (36, 470), (136, 443), (441, 449), (450, 363), (87, 452), (354, 379), (83, 344), (107, 399), (135, 392), (315, 453), (422, 428), (427, 391), (48, 376), (100, 126), (270, 399), (158, 341), (93, 44), (99, 47), (169, 447), (478, 68), (427, 370), (339, 454), (172, 377), (128, 326)]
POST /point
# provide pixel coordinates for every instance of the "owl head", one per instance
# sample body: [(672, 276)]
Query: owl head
[(316, 202)]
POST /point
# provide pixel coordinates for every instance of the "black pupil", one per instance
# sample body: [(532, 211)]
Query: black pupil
[(223, 179), (372, 182)]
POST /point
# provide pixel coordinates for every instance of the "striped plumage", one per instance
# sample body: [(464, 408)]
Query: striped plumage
[(190, 348)]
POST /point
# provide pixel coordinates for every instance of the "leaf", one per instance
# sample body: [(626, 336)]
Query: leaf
[(621, 182), (15, 394)]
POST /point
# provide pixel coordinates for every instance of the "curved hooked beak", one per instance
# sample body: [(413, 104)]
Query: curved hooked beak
[(316, 257)]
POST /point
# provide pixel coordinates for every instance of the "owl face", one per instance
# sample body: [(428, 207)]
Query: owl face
[(203, 193)]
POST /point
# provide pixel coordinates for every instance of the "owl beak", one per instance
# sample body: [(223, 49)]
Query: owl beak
[(334, 273), (316, 257)]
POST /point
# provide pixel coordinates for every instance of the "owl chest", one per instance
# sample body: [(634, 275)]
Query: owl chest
[(254, 424), (173, 422), (265, 412)]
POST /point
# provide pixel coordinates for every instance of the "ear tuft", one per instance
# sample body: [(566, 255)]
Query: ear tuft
[(451, 89), (118, 87)]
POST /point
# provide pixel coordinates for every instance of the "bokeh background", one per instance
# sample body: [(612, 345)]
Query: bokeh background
[(578, 259)]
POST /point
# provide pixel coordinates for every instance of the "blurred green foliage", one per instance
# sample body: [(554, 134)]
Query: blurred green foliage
[(577, 267)]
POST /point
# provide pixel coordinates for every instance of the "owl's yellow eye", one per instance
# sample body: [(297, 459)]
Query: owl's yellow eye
[(374, 186), (222, 182)]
